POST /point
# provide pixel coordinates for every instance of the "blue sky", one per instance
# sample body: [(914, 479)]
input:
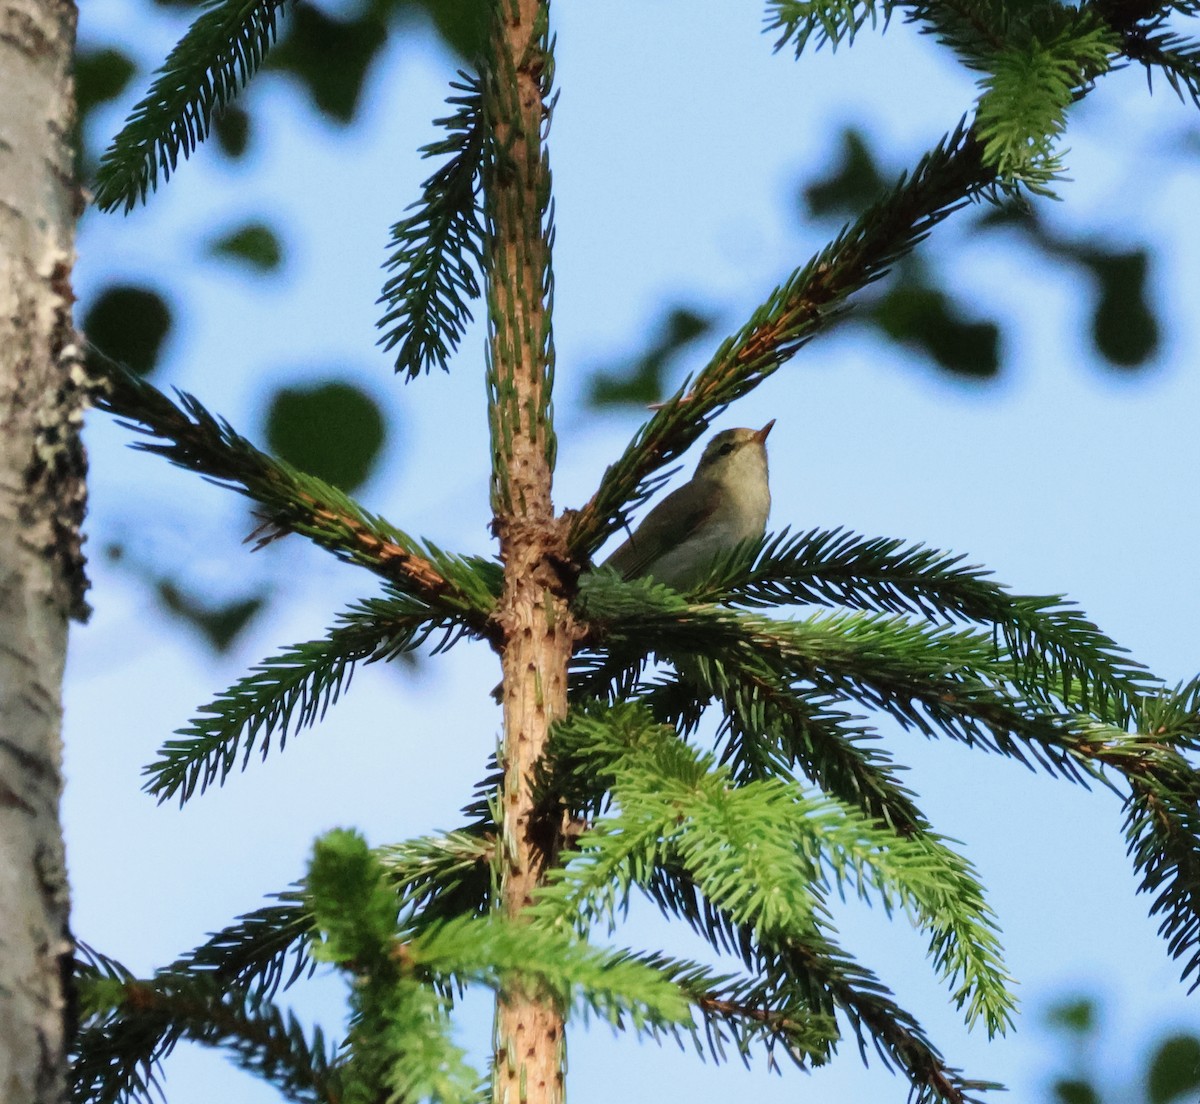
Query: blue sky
[(676, 148)]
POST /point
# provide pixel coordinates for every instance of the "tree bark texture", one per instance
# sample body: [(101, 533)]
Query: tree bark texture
[(41, 507), (534, 614)]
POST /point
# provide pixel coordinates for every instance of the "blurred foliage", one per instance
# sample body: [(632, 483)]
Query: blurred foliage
[(918, 310), (1174, 1069), (928, 319), (254, 244), (332, 430), (916, 306), (640, 380), (851, 186), (130, 324), (1168, 1073), (231, 128), (1124, 326), (332, 56), (461, 24), (1077, 1017), (219, 623), (328, 56), (100, 76)]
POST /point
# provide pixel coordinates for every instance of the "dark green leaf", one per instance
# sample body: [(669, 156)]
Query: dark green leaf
[(640, 381), (1174, 1069), (332, 430), (219, 624), (232, 129), (329, 56), (929, 319), (463, 24), (1072, 1091), (254, 243), (100, 76), (129, 324), (1124, 328), (1076, 1016), (849, 187)]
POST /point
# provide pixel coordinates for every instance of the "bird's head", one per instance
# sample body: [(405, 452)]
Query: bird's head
[(735, 454)]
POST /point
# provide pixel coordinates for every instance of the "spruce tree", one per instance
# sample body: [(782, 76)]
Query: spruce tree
[(601, 787)]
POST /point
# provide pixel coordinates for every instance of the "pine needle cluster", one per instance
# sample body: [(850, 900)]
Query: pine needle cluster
[(800, 654)]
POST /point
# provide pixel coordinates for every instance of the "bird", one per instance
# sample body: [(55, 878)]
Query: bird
[(726, 502)]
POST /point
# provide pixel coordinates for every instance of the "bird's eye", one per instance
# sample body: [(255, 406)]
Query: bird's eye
[(727, 448)]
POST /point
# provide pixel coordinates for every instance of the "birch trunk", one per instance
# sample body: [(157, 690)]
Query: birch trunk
[(41, 505)]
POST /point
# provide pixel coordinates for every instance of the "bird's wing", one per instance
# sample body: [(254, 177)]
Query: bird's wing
[(667, 526)]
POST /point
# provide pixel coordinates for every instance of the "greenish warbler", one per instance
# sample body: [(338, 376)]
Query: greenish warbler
[(726, 502)]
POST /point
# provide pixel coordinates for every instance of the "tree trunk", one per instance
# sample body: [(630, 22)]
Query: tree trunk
[(539, 631), (41, 506)]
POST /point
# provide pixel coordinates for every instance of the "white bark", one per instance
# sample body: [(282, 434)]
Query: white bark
[(41, 503)]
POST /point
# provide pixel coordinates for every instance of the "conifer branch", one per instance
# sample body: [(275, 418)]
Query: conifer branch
[(613, 674), (438, 251), (1162, 821), (93, 965), (976, 30), (745, 1013), (742, 1012), (1147, 37), (1030, 84), (441, 877), (132, 1025), (795, 312), (219, 993), (399, 1045), (354, 908), (534, 612), (1176, 57), (815, 972), (259, 954), (798, 22), (294, 502), (898, 1038), (434, 879), (763, 853), (517, 103), (1053, 648), (1037, 60), (768, 732), (615, 985), (290, 691), (934, 679), (219, 54), (1162, 830)]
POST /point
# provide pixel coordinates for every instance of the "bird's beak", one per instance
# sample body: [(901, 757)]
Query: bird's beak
[(761, 435)]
